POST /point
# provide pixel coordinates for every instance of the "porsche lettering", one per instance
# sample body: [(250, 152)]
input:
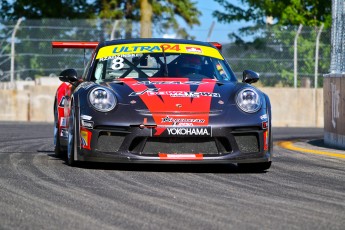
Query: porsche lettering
[(192, 94), (178, 121), (169, 83)]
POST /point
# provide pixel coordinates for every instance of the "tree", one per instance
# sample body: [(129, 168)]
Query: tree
[(164, 14), (39, 9), (271, 49), (283, 12)]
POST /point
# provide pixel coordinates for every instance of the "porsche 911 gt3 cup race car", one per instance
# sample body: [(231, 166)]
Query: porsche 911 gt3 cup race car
[(161, 101)]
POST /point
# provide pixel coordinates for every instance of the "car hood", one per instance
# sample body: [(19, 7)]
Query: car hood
[(176, 100), (174, 94)]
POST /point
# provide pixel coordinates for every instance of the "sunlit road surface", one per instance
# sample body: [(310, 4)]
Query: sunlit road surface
[(39, 191)]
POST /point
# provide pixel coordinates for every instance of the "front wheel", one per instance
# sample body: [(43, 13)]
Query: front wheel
[(72, 149), (255, 167)]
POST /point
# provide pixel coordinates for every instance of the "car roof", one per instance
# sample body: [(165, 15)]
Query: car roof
[(154, 40)]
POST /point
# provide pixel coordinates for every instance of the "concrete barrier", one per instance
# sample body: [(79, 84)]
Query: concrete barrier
[(301, 107), (41, 103), (334, 90), (14, 105), (291, 107)]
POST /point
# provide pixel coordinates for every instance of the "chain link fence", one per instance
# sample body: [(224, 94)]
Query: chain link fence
[(26, 53)]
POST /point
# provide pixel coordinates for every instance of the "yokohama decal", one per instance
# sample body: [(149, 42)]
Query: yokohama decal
[(187, 131), (159, 103)]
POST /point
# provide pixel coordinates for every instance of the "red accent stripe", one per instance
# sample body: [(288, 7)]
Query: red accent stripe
[(265, 139), (166, 156), (199, 107), (75, 45)]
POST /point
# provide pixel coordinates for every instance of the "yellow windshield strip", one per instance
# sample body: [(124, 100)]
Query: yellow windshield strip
[(139, 48)]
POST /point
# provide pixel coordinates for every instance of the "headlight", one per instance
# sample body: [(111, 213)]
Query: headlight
[(102, 99), (248, 100)]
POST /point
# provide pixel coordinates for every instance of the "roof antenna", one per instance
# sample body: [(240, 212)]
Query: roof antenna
[(165, 62)]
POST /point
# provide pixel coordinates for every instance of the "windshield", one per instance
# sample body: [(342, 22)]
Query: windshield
[(194, 63)]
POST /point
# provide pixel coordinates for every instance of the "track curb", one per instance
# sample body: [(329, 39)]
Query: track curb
[(293, 145)]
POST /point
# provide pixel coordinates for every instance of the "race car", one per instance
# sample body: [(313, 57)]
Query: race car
[(161, 101)]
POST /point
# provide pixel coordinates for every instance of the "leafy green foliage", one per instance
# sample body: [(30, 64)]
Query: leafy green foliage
[(272, 48), (283, 12), (46, 9), (166, 13)]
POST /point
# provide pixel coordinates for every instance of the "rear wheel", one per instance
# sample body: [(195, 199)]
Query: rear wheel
[(72, 138), (58, 149), (256, 167)]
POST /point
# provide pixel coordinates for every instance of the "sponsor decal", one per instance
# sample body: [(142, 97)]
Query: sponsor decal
[(85, 138), (123, 50), (169, 83), (118, 56), (86, 117), (87, 124), (188, 131), (165, 156), (264, 117), (193, 49), (62, 101), (191, 94), (130, 48), (63, 122), (181, 121)]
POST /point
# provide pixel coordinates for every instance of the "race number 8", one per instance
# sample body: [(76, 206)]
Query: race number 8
[(117, 63)]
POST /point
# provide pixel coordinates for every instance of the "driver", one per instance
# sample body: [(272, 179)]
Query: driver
[(190, 64)]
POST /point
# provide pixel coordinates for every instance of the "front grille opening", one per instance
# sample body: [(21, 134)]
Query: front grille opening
[(110, 142), (181, 145), (247, 143), (223, 145), (137, 144)]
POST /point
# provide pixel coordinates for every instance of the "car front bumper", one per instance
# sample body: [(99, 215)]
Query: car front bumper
[(141, 145)]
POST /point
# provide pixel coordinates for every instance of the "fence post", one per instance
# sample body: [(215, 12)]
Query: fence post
[(112, 35), (317, 55), (12, 47), (295, 55)]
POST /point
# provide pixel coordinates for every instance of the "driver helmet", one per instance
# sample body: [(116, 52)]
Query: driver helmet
[(191, 64)]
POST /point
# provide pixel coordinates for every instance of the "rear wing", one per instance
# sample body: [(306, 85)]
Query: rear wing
[(75, 45), (217, 45)]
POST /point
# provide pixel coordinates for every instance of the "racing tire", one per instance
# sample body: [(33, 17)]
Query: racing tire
[(72, 139), (255, 167), (58, 150)]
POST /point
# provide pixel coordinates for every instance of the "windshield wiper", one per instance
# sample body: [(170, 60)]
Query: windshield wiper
[(165, 63)]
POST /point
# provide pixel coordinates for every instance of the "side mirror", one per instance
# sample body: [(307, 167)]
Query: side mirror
[(250, 76), (69, 75)]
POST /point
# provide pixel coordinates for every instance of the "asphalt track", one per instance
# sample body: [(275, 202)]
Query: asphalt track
[(302, 190)]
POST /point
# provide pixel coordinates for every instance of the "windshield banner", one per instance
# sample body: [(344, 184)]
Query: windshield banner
[(140, 48)]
